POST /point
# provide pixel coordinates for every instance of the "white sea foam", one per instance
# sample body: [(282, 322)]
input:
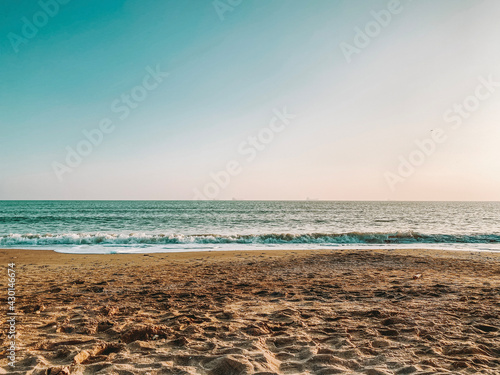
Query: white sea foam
[(48, 239)]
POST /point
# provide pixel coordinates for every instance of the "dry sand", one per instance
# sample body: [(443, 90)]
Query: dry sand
[(256, 312)]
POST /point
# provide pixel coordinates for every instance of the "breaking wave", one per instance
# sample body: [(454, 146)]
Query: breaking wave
[(15, 240)]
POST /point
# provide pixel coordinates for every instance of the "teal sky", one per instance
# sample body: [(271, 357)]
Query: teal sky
[(227, 77)]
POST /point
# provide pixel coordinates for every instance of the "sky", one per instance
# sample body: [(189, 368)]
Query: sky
[(252, 99)]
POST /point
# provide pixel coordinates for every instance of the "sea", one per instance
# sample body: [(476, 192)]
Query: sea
[(173, 226)]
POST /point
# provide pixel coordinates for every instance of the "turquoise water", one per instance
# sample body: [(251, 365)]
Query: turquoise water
[(152, 226)]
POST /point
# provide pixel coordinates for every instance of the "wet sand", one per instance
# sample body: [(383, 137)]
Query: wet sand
[(255, 312)]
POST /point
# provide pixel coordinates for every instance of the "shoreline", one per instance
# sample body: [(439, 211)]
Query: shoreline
[(383, 312), (48, 254)]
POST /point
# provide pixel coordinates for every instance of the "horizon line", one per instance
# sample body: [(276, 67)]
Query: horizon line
[(238, 200)]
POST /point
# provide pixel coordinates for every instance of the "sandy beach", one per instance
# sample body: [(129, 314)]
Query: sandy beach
[(255, 312)]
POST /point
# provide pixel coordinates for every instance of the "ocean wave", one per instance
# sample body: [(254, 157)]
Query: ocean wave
[(48, 239)]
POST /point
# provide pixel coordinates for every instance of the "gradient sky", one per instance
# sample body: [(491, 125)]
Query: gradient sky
[(227, 76)]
